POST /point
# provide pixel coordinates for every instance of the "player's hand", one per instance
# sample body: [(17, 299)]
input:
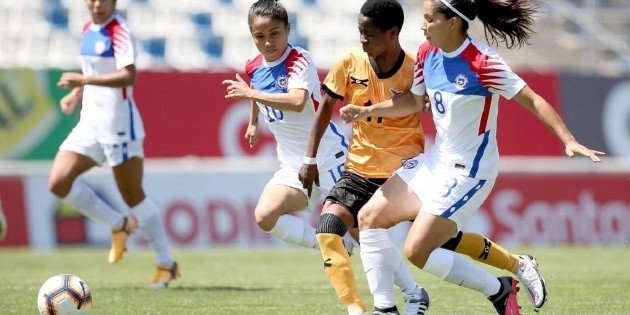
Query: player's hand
[(574, 147), (237, 89), (68, 103), (308, 175), (71, 80), (350, 113), (251, 135), (427, 103)]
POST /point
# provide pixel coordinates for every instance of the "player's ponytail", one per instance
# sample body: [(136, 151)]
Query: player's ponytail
[(508, 21)]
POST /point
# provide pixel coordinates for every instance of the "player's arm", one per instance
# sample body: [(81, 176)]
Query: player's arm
[(309, 173), (400, 105), (121, 78), (538, 106), (293, 100), (251, 134)]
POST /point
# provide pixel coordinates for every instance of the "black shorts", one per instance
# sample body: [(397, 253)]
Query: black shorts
[(353, 191)]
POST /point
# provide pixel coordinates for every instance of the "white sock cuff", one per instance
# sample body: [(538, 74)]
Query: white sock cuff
[(440, 262), (373, 240), (75, 191), (144, 210), (284, 220)]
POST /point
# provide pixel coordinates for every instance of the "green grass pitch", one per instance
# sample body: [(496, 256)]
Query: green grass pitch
[(581, 280)]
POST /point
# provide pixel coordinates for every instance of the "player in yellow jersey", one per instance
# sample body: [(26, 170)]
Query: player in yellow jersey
[(381, 70)]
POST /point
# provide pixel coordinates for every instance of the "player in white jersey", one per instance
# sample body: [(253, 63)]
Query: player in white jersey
[(285, 91), (441, 188), (109, 131)]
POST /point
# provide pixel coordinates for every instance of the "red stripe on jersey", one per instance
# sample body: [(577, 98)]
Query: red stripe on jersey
[(484, 115), (252, 64), (490, 68), (423, 52), (124, 93), (315, 102), (296, 63), (85, 27), (121, 39)]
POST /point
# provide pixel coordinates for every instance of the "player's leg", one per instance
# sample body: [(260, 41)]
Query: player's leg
[(426, 234), (4, 226), (333, 225), (525, 267), (448, 202), (72, 160), (482, 249), (273, 210), (389, 205), (128, 172)]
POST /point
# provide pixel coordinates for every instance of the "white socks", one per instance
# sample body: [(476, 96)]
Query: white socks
[(85, 200), (383, 264), (380, 259), (150, 223), (458, 270), (294, 230)]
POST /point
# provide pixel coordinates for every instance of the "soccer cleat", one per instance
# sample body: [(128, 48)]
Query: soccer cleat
[(505, 301), (164, 275), (417, 304), (529, 275), (119, 239), (349, 243), (386, 311)]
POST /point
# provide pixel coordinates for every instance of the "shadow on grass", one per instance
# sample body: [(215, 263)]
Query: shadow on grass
[(197, 288), (221, 288)]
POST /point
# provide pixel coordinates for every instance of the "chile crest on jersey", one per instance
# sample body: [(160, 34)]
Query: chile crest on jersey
[(282, 82)]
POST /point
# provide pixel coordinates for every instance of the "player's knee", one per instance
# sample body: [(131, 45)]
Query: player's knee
[(332, 224), (59, 187), (368, 219), (416, 253), (266, 220), (132, 196)]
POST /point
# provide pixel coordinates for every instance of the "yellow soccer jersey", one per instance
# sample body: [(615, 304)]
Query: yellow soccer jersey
[(379, 144)]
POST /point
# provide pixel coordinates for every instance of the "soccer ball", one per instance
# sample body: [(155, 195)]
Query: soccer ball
[(64, 294)]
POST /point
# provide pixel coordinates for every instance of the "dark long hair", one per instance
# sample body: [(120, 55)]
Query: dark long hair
[(508, 21)]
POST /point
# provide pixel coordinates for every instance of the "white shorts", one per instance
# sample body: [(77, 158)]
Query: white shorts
[(446, 194), (289, 177), (112, 153)]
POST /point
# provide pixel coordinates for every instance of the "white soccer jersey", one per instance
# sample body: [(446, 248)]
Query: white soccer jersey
[(464, 87), (110, 113), (294, 70)]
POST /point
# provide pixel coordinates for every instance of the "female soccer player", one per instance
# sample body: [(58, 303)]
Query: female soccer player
[(379, 146), (441, 188), (109, 130), (285, 90)]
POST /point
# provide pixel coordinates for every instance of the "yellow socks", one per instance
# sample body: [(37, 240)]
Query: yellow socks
[(484, 250), (338, 267)]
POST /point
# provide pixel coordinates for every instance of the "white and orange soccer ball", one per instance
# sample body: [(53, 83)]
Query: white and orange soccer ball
[(64, 294)]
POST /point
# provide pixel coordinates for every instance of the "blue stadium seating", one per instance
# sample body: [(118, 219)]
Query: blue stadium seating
[(57, 16), (155, 47), (212, 46)]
